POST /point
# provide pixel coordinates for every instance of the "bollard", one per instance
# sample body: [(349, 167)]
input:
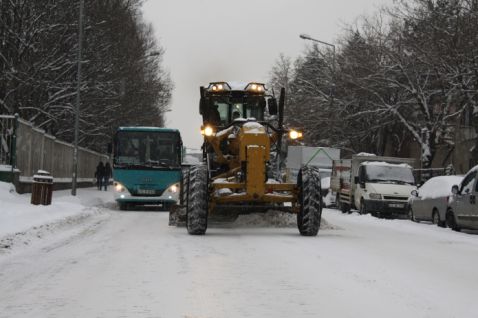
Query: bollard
[(42, 188)]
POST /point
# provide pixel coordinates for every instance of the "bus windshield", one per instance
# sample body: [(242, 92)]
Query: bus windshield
[(148, 149)]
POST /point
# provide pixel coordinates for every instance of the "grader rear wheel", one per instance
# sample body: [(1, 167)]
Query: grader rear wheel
[(197, 208), (310, 200)]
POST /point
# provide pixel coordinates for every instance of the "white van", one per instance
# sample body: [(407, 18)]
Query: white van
[(372, 184)]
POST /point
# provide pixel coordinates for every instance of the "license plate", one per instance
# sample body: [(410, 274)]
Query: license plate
[(146, 191), (397, 205)]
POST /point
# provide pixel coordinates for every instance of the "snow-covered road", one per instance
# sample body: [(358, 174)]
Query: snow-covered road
[(132, 264)]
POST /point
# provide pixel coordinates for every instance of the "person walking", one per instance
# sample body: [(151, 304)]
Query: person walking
[(99, 174), (107, 175)]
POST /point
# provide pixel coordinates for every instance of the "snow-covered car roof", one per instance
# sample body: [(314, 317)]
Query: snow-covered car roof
[(438, 187), (366, 154), (383, 163), (475, 168)]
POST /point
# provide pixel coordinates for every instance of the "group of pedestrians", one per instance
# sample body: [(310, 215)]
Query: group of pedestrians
[(103, 174)]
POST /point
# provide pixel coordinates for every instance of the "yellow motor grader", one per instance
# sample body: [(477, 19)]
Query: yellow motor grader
[(243, 131)]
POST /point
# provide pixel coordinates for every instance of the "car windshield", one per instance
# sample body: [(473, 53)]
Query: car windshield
[(389, 173), (149, 149)]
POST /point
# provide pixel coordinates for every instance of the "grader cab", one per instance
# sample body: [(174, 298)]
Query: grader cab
[(243, 133)]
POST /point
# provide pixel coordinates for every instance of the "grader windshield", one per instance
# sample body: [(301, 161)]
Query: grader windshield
[(221, 107)]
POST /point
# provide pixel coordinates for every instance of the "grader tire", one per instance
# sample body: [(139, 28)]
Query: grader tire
[(310, 200), (197, 210)]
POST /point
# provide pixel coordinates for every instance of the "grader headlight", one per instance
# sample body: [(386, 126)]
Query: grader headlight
[(294, 134), (207, 131), (256, 87), (219, 87)]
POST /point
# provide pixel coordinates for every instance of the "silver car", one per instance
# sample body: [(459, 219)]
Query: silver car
[(462, 208), (430, 201)]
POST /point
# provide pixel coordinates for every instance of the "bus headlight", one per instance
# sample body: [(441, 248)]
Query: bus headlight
[(119, 187), (174, 188)]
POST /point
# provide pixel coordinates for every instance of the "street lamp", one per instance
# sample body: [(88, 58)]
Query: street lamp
[(77, 108), (308, 37)]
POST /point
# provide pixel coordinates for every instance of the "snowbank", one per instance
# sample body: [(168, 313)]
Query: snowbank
[(325, 183), (188, 159), (18, 216), (273, 219)]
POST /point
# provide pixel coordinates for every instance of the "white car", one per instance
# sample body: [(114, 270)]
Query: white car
[(430, 201), (462, 210)]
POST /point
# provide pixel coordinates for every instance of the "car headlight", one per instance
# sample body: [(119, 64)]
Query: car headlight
[(174, 188), (375, 196)]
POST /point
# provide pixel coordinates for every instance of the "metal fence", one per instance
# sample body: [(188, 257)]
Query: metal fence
[(7, 133), (422, 175), (33, 149)]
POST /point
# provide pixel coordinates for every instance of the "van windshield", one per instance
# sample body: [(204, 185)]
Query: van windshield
[(389, 173)]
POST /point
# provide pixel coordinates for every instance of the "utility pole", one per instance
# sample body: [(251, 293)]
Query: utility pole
[(77, 108)]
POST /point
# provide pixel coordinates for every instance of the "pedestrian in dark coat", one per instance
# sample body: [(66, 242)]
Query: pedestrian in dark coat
[(99, 174), (107, 175)]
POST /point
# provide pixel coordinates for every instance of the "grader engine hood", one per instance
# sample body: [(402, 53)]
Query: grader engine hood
[(253, 134)]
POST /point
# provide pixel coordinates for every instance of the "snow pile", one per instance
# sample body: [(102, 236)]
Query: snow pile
[(7, 191), (366, 154), (19, 218), (272, 219), (329, 199), (325, 183), (7, 168), (253, 128), (188, 159)]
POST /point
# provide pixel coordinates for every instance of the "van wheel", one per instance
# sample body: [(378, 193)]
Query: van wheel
[(337, 202), (344, 207), (411, 215), (363, 209), (451, 222)]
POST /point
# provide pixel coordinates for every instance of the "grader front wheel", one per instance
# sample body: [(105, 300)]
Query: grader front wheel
[(310, 201), (197, 208)]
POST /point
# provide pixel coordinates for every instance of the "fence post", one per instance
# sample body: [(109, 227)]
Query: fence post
[(42, 151), (13, 148)]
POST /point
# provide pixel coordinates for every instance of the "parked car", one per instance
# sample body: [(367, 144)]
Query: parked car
[(430, 201), (462, 210)]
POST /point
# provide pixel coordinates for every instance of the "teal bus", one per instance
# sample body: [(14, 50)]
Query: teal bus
[(147, 166)]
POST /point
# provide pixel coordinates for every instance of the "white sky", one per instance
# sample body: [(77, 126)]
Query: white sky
[(212, 40)]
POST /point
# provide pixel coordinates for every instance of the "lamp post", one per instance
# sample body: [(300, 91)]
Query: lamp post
[(308, 37), (77, 108)]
